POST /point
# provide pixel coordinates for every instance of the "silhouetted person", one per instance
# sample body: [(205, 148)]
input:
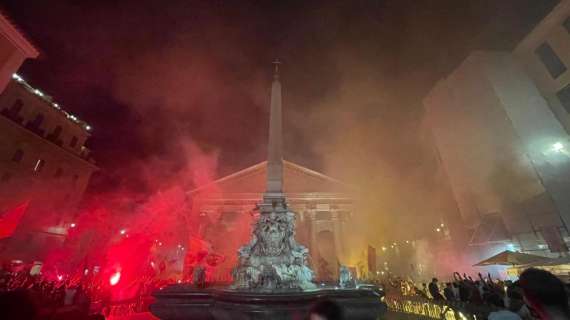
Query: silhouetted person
[(17, 305), (501, 313), (545, 294), (326, 310), (434, 290), (448, 292), (464, 291), (474, 295), (69, 295), (420, 292), (82, 301), (455, 289)]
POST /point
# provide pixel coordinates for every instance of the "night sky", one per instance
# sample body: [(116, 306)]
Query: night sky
[(166, 83)]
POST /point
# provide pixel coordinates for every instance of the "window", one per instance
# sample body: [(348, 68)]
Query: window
[(18, 155), (58, 173), (56, 132), (16, 107), (14, 111), (323, 215), (564, 97), (73, 142), (550, 60), (35, 124), (39, 165), (38, 120), (228, 219), (54, 136), (566, 24)]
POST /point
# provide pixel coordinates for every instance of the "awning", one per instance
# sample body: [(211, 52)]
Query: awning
[(510, 258), (549, 262)]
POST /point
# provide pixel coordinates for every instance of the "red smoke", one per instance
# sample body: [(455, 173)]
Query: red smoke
[(9, 220), (131, 236)]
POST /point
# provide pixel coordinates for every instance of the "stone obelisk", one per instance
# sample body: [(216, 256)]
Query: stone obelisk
[(275, 153), (273, 260)]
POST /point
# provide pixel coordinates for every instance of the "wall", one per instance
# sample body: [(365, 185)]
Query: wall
[(52, 192), (490, 123), (550, 30)]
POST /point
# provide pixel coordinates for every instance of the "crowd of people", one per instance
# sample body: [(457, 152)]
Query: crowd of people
[(466, 289), (30, 297), (538, 294), (24, 295)]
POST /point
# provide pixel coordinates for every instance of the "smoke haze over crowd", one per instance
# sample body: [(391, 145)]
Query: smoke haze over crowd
[(177, 93)]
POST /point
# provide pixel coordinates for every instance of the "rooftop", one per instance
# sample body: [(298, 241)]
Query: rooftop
[(49, 100), (16, 37)]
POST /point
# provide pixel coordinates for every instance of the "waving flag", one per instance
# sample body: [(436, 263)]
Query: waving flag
[(10, 220)]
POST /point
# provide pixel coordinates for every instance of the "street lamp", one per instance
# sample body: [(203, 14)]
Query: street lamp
[(558, 147)]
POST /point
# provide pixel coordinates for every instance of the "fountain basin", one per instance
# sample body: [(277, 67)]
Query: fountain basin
[(187, 302)]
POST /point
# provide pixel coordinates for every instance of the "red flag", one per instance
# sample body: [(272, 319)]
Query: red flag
[(10, 220)]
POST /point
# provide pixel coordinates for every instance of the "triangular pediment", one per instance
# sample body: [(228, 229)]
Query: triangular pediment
[(296, 179)]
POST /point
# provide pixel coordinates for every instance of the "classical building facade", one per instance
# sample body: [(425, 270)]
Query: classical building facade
[(44, 165), (225, 210)]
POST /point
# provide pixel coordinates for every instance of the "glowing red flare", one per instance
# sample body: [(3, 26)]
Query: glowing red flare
[(115, 277)]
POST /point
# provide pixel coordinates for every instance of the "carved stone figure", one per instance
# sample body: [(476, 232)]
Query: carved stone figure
[(346, 280), (273, 231), (199, 277), (273, 260)]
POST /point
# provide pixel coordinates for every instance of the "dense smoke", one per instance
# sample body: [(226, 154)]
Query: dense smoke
[(178, 95)]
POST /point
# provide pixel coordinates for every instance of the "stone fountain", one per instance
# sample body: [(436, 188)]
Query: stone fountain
[(272, 279)]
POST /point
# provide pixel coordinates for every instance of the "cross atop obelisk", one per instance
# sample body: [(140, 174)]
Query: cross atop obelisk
[(276, 63), (275, 152)]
